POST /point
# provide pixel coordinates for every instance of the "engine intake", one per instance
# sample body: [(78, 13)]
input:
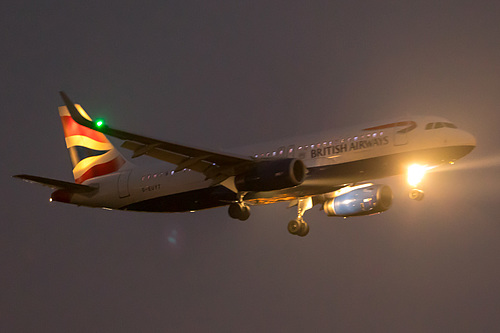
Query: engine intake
[(360, 201), (272, 175)]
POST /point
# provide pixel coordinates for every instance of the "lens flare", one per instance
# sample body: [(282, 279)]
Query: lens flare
[(482, 162), (416, 173)]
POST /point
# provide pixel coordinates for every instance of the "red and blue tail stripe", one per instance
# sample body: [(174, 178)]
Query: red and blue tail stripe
[(92, 155)]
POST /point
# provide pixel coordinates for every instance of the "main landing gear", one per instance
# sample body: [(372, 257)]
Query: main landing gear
[(239, 210), (298, 226)]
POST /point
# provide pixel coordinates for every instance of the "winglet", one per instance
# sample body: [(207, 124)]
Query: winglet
[(98, 126), (73, 111)]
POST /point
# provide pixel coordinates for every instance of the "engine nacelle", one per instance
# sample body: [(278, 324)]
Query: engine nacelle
[(272, 175), (363, 200)]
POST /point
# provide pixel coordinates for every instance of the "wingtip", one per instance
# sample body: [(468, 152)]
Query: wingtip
[(75, 114), (65, 98)]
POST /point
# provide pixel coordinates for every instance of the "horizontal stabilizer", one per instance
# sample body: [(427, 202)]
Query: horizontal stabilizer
[(57, 184)]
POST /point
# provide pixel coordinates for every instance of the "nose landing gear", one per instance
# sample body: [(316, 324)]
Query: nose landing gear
[(416, 194), (415, 175)]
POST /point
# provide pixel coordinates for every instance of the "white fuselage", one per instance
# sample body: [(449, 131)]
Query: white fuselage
[(333, 159)]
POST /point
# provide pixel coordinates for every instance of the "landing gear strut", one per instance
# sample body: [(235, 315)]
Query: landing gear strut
[(298, 226)]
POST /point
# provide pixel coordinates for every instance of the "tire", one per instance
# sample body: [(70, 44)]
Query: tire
[(245, 213), (416, 194), (304, 229), (294, 227), (239, 211)]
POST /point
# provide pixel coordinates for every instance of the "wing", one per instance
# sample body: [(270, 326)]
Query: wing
[(214, 165)]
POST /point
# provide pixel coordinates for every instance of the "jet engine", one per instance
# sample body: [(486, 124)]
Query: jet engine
[(272, 175), (365, 199)]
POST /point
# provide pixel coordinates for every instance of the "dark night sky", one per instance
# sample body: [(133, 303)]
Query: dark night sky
[(220, 74)]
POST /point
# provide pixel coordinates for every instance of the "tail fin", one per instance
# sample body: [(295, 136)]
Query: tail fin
[(92, 155)]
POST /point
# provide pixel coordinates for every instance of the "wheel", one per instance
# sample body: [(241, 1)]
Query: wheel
[(245, 213), (294, 227), (304, 229), (239, 211), (234, 210), (416, 194)]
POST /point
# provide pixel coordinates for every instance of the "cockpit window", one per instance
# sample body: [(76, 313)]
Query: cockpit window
[(439, 125)]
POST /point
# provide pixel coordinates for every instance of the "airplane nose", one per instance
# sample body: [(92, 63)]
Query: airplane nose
[(469, 139), (466, 143)]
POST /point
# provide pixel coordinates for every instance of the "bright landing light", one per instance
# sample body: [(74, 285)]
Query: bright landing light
[(415, 174)]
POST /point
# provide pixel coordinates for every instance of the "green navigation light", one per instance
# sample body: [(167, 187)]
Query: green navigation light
[(99, 123)]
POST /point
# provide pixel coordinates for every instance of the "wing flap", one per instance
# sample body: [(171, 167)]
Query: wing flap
[(164, 155), (212, 164)]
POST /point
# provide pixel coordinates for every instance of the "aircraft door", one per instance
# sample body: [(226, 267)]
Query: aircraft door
[(123, 190), (400, 137), (401, 131)]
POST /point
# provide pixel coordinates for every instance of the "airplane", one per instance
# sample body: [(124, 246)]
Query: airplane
[(332, 169)]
